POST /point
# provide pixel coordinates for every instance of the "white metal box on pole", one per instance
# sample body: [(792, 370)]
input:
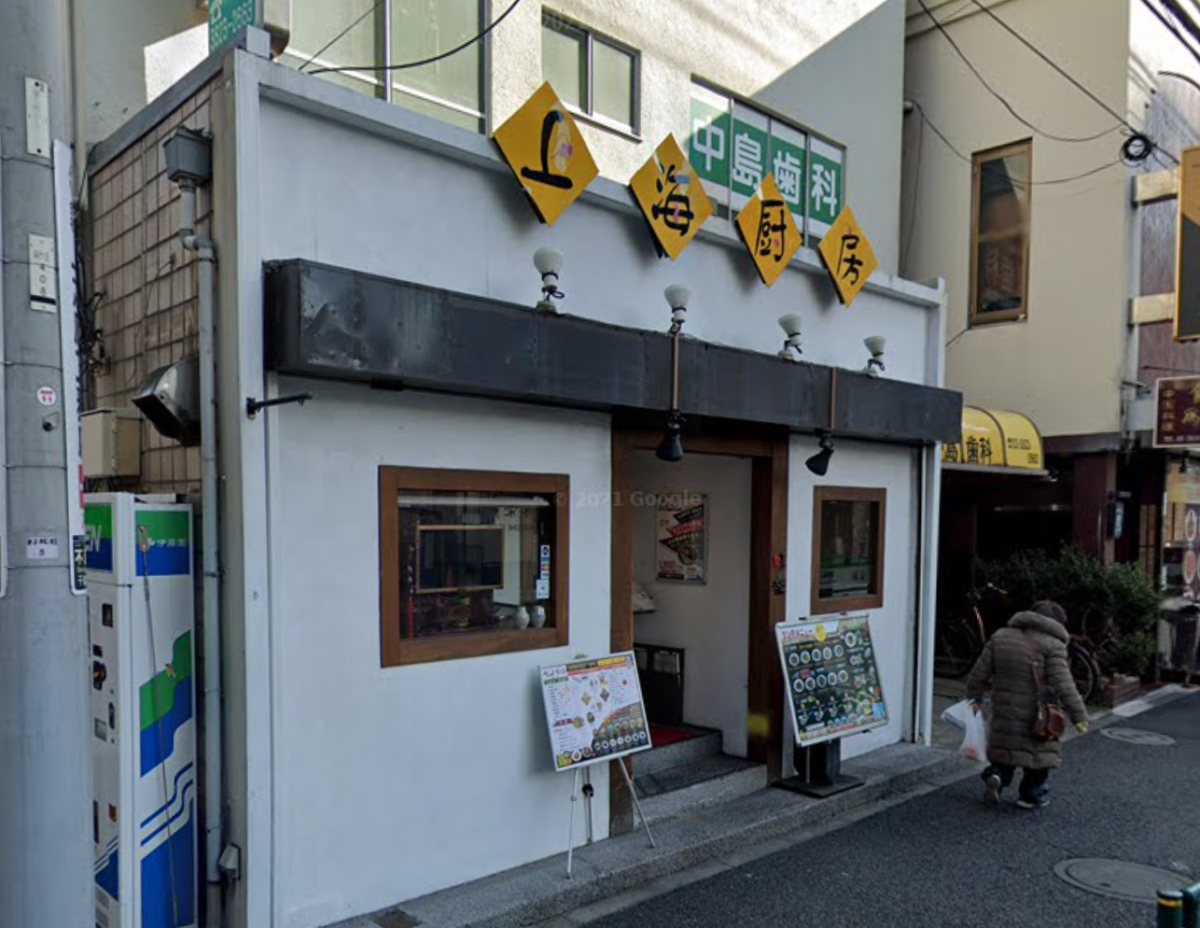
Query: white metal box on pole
[(141, 619)]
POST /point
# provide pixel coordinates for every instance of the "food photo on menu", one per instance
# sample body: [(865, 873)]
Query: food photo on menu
[(594, 710)]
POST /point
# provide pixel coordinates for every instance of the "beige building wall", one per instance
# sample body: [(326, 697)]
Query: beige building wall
[(1063, 364)]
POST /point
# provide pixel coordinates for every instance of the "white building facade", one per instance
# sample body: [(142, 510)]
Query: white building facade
[(378, 748)]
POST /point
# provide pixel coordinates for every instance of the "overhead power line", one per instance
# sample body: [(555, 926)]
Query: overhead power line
[(424, 61), (1053, 182), (341, 35), (1000, 97)]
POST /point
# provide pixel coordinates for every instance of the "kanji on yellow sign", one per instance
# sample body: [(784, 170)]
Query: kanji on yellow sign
[(848, 256), (671, 198), (545, 149), (769, 231)]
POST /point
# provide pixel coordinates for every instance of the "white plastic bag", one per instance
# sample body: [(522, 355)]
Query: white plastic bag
[(959, 714), (975, 738)]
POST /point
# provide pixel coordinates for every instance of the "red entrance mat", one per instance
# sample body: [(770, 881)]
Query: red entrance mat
[(662, 735)]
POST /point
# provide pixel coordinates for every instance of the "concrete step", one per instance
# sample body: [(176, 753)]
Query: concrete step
[(698, 784), (705, 744)]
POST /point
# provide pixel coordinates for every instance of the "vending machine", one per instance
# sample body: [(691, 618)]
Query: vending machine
[(139, 559)]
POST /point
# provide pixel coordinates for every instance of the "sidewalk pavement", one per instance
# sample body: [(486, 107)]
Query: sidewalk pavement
[(718, 840)]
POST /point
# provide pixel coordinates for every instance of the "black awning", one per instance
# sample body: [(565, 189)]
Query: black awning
[(332, 323)]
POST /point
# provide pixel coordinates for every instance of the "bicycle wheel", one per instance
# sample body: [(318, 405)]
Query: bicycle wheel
[(957, 648), (1085, 671)]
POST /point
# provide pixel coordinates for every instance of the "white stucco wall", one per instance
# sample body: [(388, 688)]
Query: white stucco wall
[(392, 782), (833, 65), (710, 622), (893, 625), (1079, 232), (360, 201)]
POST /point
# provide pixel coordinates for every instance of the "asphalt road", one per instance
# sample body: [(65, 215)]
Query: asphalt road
[(945, 859)]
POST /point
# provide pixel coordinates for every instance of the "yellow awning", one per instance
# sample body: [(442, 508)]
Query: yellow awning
[(996, 440)]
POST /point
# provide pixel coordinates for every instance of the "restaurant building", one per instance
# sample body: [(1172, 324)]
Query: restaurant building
[(443, 467)]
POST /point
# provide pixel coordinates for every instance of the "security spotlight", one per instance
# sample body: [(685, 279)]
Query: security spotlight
[(677, 298), (671, 449), (875, 345), (549, 262), (791, 328), (819, 462)]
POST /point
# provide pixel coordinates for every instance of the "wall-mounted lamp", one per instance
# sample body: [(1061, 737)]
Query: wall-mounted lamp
[(875, 344), (671, 449), (819, 462), (677, 298), (549, 262), (791, 328)]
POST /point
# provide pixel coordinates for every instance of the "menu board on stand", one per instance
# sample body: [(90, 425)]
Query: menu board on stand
[(833, 690), (594, 714)]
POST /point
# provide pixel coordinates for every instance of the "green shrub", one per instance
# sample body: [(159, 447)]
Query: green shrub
[(1120, 597)]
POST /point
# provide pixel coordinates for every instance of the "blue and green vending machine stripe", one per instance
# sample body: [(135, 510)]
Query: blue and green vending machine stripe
[(141, 619)]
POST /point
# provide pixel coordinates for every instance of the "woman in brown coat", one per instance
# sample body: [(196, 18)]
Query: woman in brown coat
[(1006, 665)]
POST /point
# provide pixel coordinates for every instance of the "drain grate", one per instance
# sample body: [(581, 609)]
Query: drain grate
[(1119, 879), (1147, 739)]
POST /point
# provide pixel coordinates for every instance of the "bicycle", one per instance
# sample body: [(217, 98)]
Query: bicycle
[(1083, 651), (959, 641)]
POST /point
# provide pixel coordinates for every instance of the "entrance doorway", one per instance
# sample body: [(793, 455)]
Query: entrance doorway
[(707, 648)]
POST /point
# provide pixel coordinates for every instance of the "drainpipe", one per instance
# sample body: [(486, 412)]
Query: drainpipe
[(206, 255)]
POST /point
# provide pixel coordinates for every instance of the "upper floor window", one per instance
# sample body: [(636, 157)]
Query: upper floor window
[(363, 36), (1000, 234), (595, 76)]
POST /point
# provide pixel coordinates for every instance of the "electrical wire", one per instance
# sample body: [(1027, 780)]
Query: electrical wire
[(1000, 97), (341, 35), (1057, 181), (425, 61), (912, 217)]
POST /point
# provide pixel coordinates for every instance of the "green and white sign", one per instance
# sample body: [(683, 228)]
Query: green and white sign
[(748, 156), (708, 143), (789, 154), (733, 146), (825, 187), (226, 18)]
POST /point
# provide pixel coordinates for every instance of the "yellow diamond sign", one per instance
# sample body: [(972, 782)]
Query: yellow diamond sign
[(769, 231), (848, 256), (671, 198), (546, 151)]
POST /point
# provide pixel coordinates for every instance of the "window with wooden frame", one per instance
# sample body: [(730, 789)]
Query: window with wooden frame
[(470, 563), (848, 533), (1000, 233)]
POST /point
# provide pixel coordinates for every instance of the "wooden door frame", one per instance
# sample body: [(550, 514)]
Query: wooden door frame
[(768, 537)]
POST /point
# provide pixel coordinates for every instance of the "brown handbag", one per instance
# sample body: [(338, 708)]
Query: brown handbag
[(1051, 722)]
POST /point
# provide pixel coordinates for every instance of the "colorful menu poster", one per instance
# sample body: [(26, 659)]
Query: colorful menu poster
[(682, 537), (833, 683), (594, 710)]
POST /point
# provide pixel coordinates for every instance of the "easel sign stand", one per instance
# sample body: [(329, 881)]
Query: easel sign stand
[(594, 714), (833, 690), (819, 771)]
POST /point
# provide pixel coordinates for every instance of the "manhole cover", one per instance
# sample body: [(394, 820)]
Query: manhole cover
[(1118, 879), (1150, 739)]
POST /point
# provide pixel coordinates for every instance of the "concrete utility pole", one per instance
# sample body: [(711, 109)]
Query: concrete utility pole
[(45, 718)]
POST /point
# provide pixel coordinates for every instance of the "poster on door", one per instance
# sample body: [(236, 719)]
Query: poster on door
[(682, 539), (594, 710), (833, 683)]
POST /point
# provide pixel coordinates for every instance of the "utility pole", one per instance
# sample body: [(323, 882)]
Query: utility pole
[(45, 712)]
